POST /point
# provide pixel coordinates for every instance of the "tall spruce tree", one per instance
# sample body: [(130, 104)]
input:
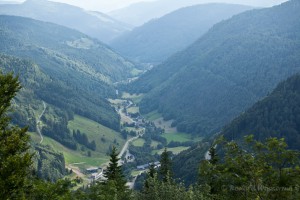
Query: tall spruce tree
[(165, 170), (151, 173), (15, 160), (114, 170), (115, 177)]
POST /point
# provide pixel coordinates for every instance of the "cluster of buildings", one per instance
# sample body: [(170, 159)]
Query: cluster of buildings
[(95, 172), (146, 166)]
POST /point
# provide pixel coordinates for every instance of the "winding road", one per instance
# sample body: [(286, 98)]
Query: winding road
[(38, 121), (125, 147)]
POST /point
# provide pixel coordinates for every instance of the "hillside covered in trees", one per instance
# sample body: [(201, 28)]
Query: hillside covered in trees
[(238, 62), (277, 115), (158, 39)]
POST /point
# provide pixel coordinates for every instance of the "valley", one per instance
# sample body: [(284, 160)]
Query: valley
[(81, 159), (198, 103)]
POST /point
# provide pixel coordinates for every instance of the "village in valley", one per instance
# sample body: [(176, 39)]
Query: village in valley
[(133, 126)]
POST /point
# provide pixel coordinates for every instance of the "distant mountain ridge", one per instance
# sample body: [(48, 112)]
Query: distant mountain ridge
[(158, 39), (238, 62), (142, 12), (94, 24)]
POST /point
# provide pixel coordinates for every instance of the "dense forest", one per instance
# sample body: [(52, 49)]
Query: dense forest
[(278, 115), (238, 62)]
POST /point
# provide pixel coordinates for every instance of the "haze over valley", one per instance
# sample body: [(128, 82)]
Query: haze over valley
[(158, 99)]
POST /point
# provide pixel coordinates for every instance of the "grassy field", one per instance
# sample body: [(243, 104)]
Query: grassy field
[(136, 72), (152, 116), (72, 156), (136, 98), (102, 135), (166, 125), (154, 143), (133, 109), (34, 137), (175, 150), (136, 172), (139, 142), (179, 137), (117, 101)]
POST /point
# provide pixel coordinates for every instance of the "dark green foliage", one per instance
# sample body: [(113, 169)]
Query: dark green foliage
[(235, 64), (60, 133), (213, 155), (169, 190), (278, 115), (140, 182), (108, 191), (185, 164), (158, 39), (50, 191), (274, 116), (124, 134), (114, 171), (165, 170), (49, 164), (15, 158), (265, 171), (114, 187), (150, 174), (82, 138)]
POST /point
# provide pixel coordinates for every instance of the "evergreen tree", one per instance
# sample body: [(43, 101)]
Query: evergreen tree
[(114, 170), (166, 165), (15, 160), (115, 176), (213, 155), (151, 173)]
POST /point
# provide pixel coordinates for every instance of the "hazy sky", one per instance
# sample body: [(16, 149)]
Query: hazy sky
[(108, 5), (100, 5)]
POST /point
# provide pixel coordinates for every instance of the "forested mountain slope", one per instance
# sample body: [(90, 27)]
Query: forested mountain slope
[(79, 68), (231, 67), (278, 115), (48, 164), (158, 39), (94, 24)]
